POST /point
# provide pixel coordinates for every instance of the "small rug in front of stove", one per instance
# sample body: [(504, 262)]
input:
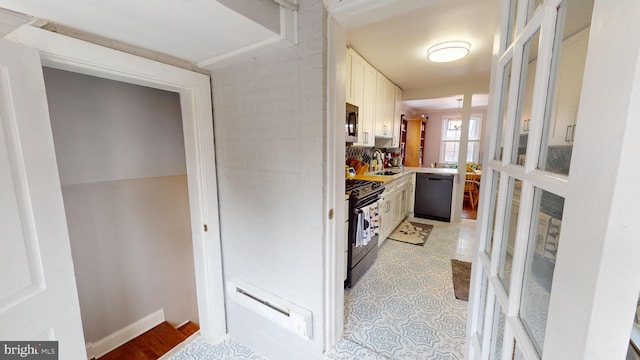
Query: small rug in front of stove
[(411, 232)]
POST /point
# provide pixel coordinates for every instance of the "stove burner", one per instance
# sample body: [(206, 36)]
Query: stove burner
[(352, 184)]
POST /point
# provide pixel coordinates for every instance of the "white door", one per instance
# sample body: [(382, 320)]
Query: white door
[(555, 272), (38, 296)]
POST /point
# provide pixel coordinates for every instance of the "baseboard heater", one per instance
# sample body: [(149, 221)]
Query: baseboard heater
[(282, 312)]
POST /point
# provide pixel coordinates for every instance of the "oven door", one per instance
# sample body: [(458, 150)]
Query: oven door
[(360, 258)]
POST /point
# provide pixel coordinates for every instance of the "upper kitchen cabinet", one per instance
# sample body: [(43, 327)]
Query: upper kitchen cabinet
[(368, 113), (567, 91), (348, 63), (361, 92), (355, 78), (385, 106), (397, 117), (525, 115), (379, 102)]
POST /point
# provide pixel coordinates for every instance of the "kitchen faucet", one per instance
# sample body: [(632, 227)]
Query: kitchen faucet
[(379, 164)]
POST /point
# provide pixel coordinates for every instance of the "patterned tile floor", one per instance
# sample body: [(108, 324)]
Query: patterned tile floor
[(227, 349), (402, 308)]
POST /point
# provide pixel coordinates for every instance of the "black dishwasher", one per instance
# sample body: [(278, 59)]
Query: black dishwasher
[(433, 196)]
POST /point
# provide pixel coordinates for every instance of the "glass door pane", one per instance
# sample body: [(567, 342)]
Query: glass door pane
[(517, 354), (498, 332), (509, 234), (540, 263), (527, 77), (483, 305), (511, 31), (495, 186), (506, 81), (565, 84), (533, 6)]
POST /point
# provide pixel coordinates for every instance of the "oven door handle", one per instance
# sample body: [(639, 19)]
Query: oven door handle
[(358, 209)]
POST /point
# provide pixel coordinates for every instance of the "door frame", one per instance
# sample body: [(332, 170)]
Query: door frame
[(66, 53), (334, 193)]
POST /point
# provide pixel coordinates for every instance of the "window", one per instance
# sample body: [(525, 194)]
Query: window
[(451, 139)]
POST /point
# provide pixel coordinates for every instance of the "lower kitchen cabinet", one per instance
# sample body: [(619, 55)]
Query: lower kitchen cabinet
[(394, 205)]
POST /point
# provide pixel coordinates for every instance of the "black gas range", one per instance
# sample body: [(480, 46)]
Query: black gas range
[(362, 188), (363, 195)]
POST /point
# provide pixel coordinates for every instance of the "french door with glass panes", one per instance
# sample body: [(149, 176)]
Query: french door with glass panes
[(530, 253)]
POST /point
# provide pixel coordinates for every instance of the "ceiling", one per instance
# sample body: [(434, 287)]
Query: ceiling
[(447, 103), (393, 35), (397, 46), (192, 30)]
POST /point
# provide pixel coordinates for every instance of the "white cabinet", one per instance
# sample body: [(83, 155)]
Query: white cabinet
[(568, 85), (541, 233), (355, 78), (394, 205), (348, 61), (361, 92), (367, 114), (405, 199), (525, 115), (386, 218), (397, 120), (379, 102), (385, 97)]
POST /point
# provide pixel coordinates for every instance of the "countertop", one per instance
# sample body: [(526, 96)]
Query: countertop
[(403, 171)]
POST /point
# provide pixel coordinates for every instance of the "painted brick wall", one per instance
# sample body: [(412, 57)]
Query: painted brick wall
[(269, 129)]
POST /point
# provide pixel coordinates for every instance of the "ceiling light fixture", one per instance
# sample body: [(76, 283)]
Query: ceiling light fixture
[(448, 51)]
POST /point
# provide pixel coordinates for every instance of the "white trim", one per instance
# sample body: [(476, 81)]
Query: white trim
[(70, 54), (334, 190), (122, 336), (288, 36)]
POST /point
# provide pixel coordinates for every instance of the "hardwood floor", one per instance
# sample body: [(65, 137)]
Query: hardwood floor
[(153, 343), (188, 329), (468, 212)]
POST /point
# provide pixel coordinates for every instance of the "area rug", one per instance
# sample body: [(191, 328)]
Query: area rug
[(461, 273), (411, 232)]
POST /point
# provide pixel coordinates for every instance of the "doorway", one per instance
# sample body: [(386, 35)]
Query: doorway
[(120, 154), (61, 52)]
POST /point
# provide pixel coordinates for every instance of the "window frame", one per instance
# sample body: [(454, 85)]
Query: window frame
[(445, 126)]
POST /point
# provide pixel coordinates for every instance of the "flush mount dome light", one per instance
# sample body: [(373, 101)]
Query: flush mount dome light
[(448, 51)]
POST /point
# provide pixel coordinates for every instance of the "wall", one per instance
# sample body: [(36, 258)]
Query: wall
[(120, 153), (269, 118)]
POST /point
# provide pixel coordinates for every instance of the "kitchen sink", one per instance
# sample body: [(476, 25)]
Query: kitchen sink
[(388, 172)]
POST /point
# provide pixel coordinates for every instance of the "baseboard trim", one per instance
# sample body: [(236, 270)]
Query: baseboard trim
[(120, 337)]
